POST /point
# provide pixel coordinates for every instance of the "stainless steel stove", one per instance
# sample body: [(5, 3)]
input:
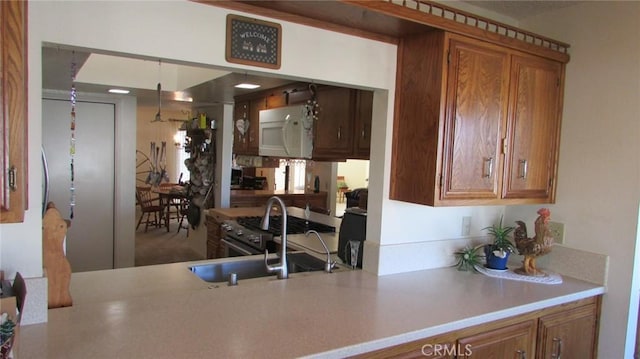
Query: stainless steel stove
[(244, 237)]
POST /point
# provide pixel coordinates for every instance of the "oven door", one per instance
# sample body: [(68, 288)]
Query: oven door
[(233, 248)]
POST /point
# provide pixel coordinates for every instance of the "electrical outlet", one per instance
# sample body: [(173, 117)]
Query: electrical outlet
[(466, 226), (557, 231)]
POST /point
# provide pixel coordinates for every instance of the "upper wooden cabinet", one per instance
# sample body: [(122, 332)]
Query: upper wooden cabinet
[(333, 131), (475, 123), (362, 128), (343, 129), (13, 117)]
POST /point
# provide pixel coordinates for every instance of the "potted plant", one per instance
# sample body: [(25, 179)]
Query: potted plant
[(497, 253)]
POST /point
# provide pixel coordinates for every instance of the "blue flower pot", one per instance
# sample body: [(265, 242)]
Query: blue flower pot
[(493, 261)]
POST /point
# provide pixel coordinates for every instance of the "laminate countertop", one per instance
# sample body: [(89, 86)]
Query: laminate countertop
[(166, 311)]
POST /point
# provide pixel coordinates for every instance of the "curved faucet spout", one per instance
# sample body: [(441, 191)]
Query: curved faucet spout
[(328, 266), (281, 268)]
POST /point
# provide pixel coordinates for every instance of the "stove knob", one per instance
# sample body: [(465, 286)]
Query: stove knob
[(239, 232)]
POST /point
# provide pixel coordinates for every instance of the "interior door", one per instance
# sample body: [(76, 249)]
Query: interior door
[(90, 239)]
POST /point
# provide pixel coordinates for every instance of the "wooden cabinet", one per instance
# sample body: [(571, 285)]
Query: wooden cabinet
[(476, 123), (214, 234), (533, 128), (245, 116), (568, 329), (246, 198), (362, 128), (513, 341), (333, 131), (343, 128), (571, 334), (13, 114)]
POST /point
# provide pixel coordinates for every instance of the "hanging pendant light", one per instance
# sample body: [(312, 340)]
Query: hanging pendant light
[(158, 115)]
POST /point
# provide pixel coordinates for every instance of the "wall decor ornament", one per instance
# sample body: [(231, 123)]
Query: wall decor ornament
[(253, 42)]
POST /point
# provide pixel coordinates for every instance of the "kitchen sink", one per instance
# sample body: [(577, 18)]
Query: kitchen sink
[(254, 267)]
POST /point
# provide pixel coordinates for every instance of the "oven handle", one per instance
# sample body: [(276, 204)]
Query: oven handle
[(237, 248)]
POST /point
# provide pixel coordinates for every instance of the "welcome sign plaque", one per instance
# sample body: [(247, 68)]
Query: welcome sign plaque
[(253, 42)]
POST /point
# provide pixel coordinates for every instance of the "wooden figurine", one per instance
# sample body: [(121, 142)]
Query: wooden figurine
[(56, 266), (532, 248)]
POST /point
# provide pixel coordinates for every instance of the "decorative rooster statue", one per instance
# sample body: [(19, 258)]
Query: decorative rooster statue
[(531, 248)]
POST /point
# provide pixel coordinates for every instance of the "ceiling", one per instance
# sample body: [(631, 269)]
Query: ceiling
[(96, 73), (521, 9)]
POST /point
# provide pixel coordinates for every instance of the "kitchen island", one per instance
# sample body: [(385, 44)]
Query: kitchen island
[(166, 311)]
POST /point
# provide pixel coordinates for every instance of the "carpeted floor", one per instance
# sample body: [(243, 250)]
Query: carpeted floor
[(158, 246)]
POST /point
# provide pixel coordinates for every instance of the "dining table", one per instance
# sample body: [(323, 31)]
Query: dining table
[(170, 195)]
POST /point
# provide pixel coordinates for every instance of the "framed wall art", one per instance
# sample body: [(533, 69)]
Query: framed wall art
[(253, 42)]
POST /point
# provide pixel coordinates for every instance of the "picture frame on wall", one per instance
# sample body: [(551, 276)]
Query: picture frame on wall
[(253, 42)]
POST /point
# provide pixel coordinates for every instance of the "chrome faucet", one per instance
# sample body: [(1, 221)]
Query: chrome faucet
[(328, 266), (281, 268)]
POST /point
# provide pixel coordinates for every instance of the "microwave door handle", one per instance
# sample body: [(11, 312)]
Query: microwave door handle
[(284, 133)]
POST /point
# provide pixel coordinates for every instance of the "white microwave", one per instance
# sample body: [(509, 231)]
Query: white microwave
[(286, 132)]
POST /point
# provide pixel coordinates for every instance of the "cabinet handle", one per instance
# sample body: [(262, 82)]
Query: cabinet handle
[(12, 179), (524, 167), (523, 354), (558, 345), (339, 132), (487, 170), (363, 131)]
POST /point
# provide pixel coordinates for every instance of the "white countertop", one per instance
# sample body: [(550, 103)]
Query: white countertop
[(166, 311)]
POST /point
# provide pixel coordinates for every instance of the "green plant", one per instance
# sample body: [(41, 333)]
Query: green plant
[(468, 258), (500, 236)]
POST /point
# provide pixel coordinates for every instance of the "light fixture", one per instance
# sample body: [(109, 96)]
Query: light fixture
[(119, 91), (246, 85), (182, 96)]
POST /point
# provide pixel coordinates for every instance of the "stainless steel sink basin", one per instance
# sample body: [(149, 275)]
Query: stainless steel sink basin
[(254, 267)]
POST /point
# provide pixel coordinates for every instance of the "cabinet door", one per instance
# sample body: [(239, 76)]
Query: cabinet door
[(334, 128), (13, 111), (477, 93), (514, 341), (254, 128), (569, 334), (362, 130), (533, 128), (240, 120)]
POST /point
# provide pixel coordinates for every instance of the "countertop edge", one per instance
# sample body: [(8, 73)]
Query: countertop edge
[(373, 345)]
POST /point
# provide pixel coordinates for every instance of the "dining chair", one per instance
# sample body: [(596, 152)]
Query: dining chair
[(149, 205), (182, 213)]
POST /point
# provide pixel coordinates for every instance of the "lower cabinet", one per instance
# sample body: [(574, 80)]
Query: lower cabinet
[(513, 341), (568, 334), (214, 248), (564, 331)]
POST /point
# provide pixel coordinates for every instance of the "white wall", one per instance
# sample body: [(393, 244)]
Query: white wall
[(355, 172), (599, 172)]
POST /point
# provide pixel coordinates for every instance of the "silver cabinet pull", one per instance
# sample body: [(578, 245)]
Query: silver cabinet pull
[(487, 170), (339, 132), (524, 167), (363, 131), (558, 344), (522, 354), (13, 176)]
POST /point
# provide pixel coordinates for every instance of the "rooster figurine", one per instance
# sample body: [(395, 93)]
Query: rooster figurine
[(531, 248)]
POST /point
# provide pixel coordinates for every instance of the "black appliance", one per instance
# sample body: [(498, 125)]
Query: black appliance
[(236, 176), (352, 228), (243, 237), (250, 182)]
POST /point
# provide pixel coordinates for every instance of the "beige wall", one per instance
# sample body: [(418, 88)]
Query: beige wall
[(599, 172)]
